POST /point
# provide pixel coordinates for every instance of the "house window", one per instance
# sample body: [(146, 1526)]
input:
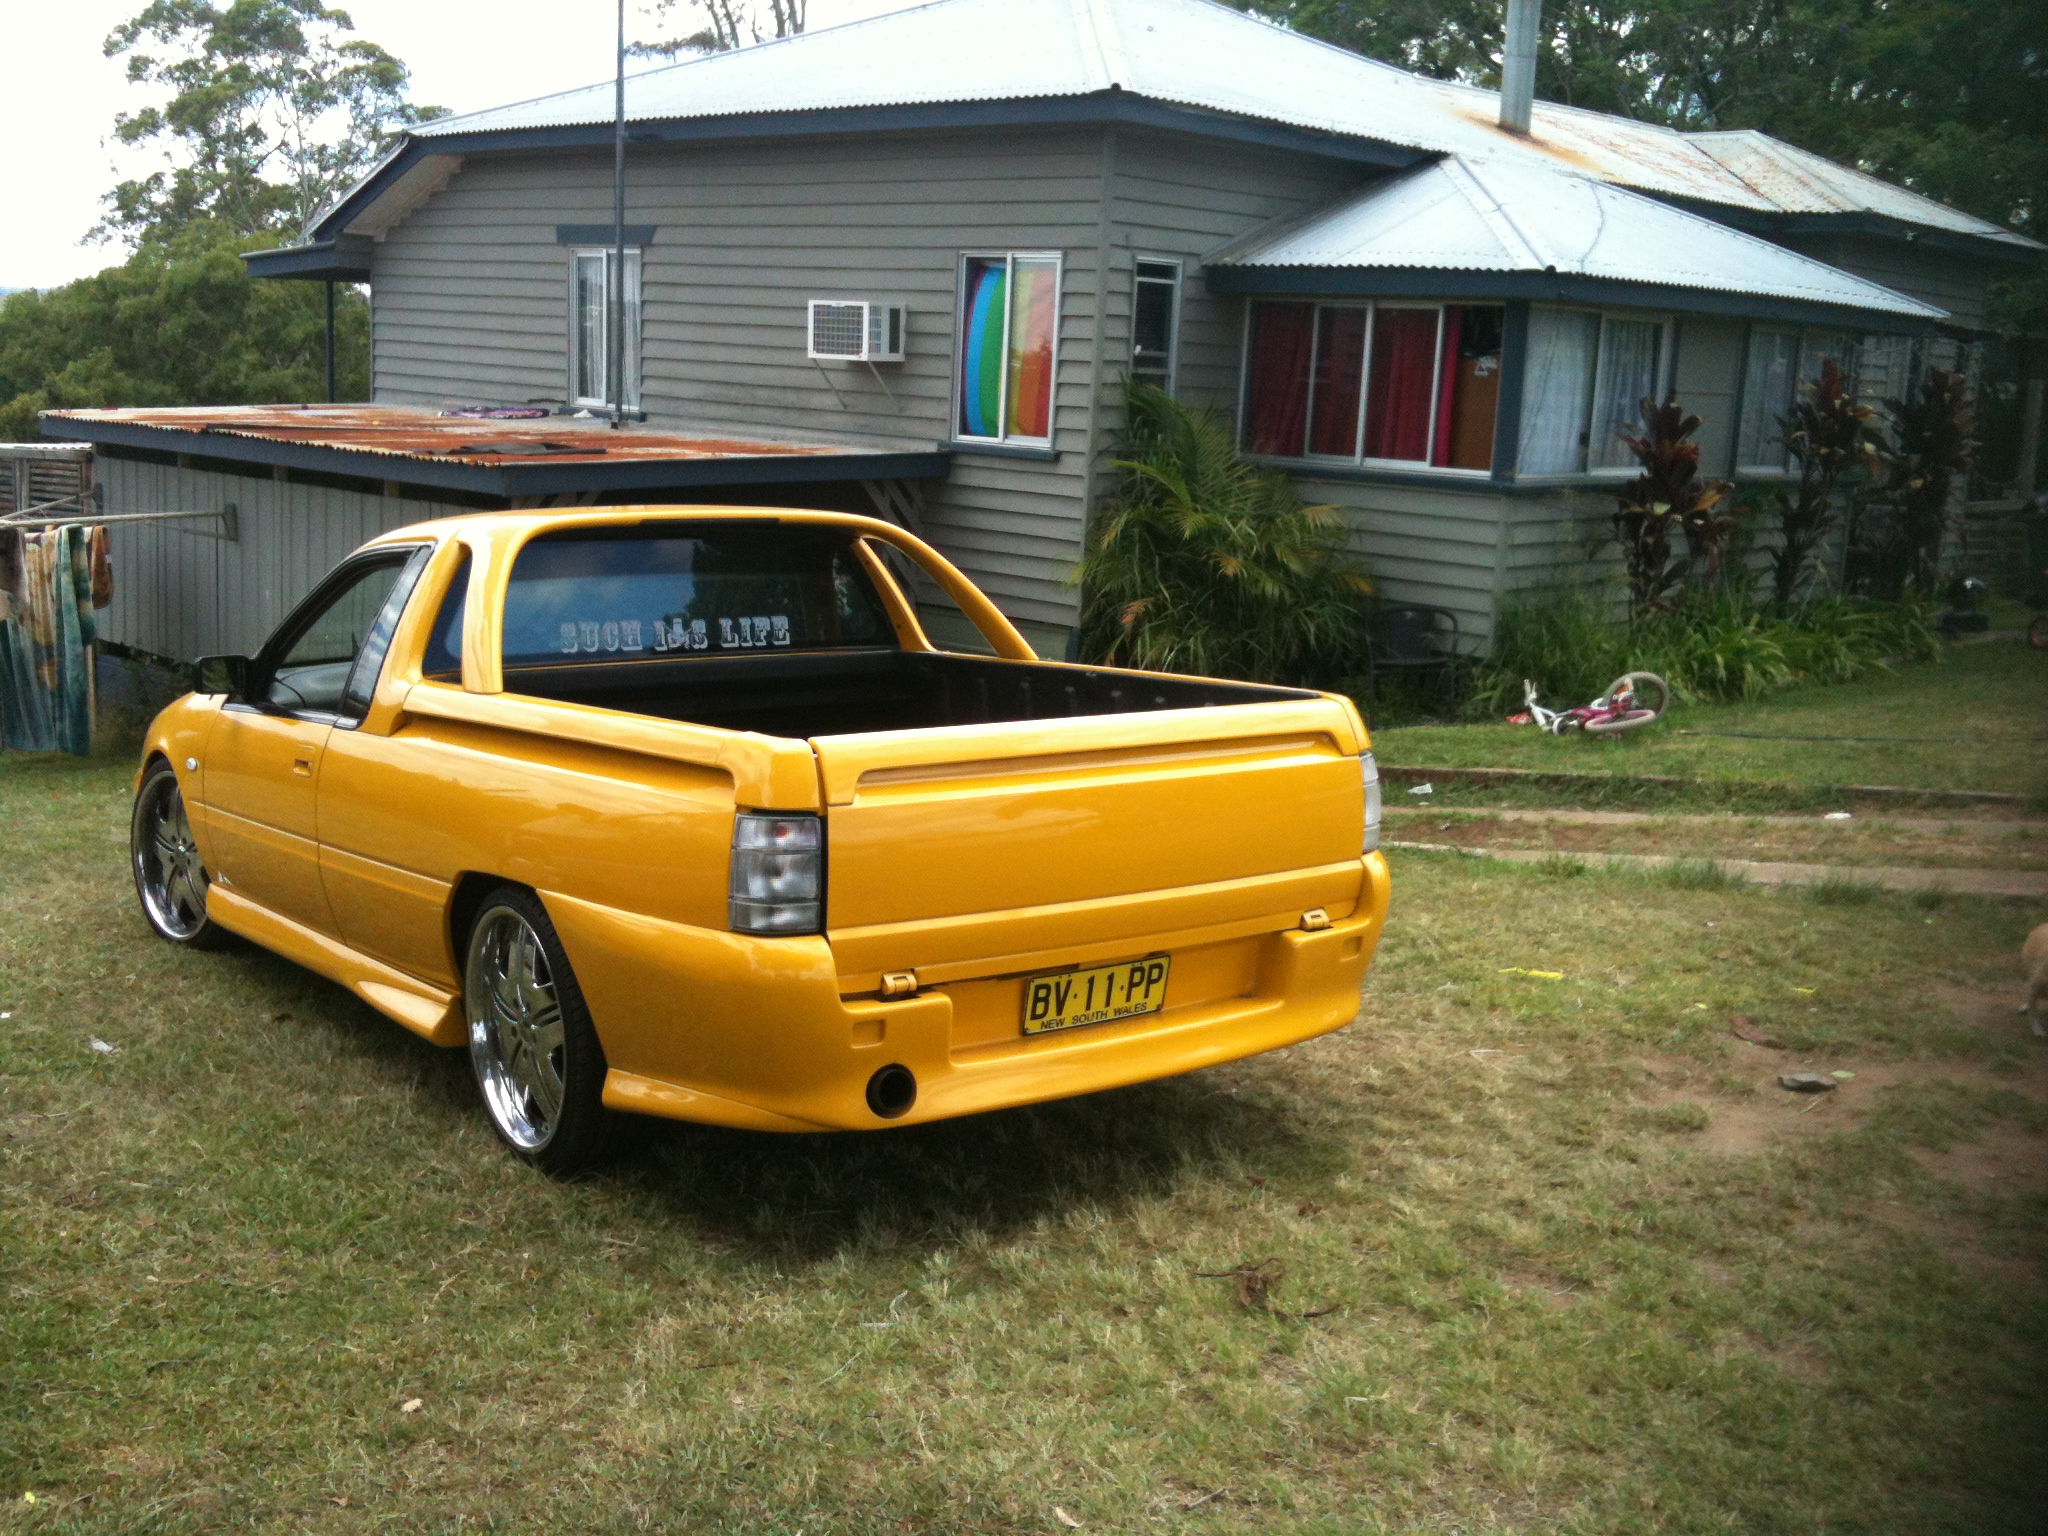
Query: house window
[(1009, 330), (1779, 362), (1583, 389), (1401, 384), (590, 329), (1155, 322)]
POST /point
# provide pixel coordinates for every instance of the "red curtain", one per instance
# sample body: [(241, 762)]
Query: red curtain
[(1276, 397), (1340, 374), (1398, 401)]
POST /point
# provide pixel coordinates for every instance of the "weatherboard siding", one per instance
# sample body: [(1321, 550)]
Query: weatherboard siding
[(472, 304), (1183, 198), (183, 590)]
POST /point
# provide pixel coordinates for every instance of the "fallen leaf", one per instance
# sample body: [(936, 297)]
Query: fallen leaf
[(1256, 1181), (1743, 1027), (1309, 1208), (1804, 991), (1065, 1519), (1843, 1077), (412, 1405), (1516, 970), (1254, 1282), (339, 1501)]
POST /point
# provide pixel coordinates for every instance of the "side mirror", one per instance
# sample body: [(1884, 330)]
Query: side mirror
[(221, 674)]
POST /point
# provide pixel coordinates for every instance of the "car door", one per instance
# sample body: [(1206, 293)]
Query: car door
[(263, 756)]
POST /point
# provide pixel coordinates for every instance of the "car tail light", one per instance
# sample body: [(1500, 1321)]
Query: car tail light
[(1370, 770), (778, 874)]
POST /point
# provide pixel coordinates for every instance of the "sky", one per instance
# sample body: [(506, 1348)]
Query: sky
[(62, 95)]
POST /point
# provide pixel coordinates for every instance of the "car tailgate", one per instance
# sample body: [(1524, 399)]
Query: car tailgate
[(964, 850)]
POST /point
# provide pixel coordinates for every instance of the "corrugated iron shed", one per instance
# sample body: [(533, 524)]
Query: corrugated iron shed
[(509, 458)]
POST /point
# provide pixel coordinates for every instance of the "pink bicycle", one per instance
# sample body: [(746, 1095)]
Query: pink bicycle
[(1634, 699)]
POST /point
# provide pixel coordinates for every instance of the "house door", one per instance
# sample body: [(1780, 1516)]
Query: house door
[(263, 756)]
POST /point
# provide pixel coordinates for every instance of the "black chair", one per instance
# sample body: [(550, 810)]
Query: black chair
[(1413, 639)]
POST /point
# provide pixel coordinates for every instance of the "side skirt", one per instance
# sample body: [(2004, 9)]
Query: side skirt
[(429, 1012)]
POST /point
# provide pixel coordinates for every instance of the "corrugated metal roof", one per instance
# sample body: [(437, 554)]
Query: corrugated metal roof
[(401, 432), (1496, 216), (1195, 53), (1798, 181)]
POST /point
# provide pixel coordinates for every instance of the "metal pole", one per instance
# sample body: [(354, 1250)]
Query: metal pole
[(331, 393), (1518, 64), (615, 349)]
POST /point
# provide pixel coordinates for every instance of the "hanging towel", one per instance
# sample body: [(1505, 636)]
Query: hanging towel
[(102, 566), (45, 646)]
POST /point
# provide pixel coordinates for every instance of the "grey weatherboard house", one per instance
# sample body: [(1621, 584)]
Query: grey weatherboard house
[(1434, 321)]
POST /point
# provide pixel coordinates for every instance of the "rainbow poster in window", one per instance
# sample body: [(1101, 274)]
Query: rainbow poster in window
[(1034, 317), (984, 318)]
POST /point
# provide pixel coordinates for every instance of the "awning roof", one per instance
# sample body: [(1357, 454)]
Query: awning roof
[(1516, 230), (552, 456)]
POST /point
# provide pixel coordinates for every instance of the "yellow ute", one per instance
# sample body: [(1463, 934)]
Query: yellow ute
[(681, 813)]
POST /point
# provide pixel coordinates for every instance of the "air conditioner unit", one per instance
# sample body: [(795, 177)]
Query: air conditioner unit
[(856, 331)]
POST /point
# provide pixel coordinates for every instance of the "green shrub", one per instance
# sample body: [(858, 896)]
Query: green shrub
[(1201, 562), (1715, 645)]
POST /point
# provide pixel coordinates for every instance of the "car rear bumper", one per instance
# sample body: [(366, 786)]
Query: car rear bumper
[(755, 1033)]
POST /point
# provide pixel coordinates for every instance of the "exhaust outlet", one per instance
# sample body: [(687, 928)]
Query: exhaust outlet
[(891, 1092)]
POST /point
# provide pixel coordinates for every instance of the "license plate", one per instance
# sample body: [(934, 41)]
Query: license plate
[(1066, 999)]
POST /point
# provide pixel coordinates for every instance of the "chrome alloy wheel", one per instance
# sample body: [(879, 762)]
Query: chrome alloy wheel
[(169, 876), (516, 1037)]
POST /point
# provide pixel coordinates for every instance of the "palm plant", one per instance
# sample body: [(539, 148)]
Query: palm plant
[(1828, 431), (1201, 562), (1666, 499), (1934, 442)]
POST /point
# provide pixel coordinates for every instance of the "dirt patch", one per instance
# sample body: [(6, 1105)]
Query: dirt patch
[(1748, 1110), (2004, 1161), (1874, 842)]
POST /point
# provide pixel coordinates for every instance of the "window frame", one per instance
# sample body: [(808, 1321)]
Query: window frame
[(410, 561), (1005, 437), (1174, 283), (633, 380), (1357, 459), (1806, 352), (1663, 378)]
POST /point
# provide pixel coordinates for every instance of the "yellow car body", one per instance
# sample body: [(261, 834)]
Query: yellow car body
[(964, 860)]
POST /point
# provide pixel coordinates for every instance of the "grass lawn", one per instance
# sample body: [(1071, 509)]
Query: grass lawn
[(1975, 719), (1576, 1264)]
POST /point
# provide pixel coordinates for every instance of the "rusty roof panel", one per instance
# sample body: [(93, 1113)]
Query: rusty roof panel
[(413, 433)]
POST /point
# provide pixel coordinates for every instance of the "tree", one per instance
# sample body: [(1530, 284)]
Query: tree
[(274, 111), (181, 322), (730, 24)]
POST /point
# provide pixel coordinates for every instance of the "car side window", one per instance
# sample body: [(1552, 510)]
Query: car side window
[(312, 675), (443, 659), (362, 677)]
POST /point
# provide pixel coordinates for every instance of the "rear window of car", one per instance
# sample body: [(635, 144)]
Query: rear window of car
[(636, 594)]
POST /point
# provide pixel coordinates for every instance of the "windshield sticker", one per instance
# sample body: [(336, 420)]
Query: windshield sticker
[(751, 632)]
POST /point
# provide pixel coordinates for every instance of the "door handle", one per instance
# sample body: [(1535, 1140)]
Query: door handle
[(302, 762)]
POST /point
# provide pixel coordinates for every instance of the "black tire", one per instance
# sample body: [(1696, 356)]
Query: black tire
[(171, 882), (541, 1077)]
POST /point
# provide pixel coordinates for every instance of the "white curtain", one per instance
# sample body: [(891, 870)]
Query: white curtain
[(1627, 375), (1766, 396), (1556, 379)]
